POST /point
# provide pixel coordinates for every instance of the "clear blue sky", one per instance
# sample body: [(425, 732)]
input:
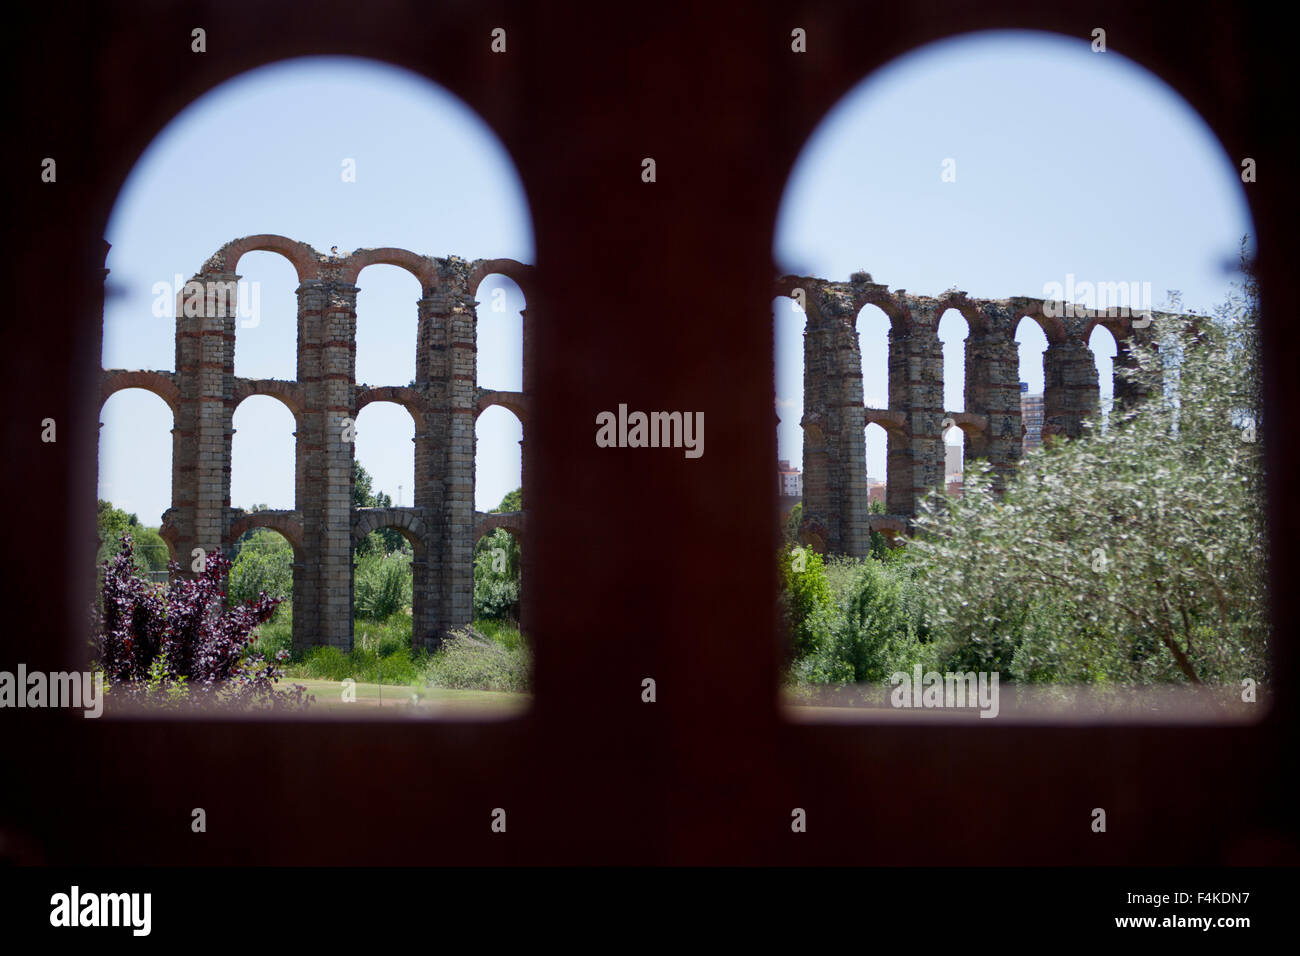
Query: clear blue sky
[(264, 154), (1067, 161)]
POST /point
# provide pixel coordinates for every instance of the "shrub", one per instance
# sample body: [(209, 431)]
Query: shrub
[(150, 638), (466, 661), (383, 585), (856, 621), (805, 599), (496, 576), (256, 570)]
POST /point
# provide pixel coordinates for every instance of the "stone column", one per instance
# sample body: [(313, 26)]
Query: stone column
[(993, 390), (205, 369), (458, 501), (445, 444), (427, 496), (1070, 391), (306, 581), (527, 373), (834, 423), (424, 600), (820, 523), (326, 360), (916, 463), (333, 473)]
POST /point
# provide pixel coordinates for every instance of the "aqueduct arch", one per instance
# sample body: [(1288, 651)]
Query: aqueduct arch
[(325, 399), (835, 416)]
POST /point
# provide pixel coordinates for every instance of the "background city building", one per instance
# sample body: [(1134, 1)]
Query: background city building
[(1031, 416)]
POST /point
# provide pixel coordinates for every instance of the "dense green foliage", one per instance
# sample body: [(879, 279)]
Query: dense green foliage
[(382, 585), (150, 551), (496, 568), (264, 563), (384, 540), (852, 621)]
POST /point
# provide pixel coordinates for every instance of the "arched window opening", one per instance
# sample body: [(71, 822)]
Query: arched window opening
[(263, 456), (135, 478), (953, 330), (1031, 344), (1101, 342), (387, 323), (500, 334), (266, 317)]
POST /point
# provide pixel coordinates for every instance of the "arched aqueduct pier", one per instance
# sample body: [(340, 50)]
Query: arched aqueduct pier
[(325, 398), (835, 416)]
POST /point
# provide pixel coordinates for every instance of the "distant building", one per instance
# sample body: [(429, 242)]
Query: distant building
[(952, 470), (952, 462), (789, 480), (875, 491), (1031, 418)]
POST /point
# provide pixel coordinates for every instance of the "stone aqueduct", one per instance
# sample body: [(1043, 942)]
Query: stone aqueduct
[(835, 515), (445, 400)]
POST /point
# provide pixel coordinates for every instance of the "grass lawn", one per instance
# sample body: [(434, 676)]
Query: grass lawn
[(429, 701)]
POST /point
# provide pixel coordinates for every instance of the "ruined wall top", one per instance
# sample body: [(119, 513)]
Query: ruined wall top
[(828, 302), (449, 275)]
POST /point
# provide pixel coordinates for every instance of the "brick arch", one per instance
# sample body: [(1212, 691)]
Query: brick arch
[(285, 522), (894, 422), (407, 397), (971, 423), (417, 265), (786, 286), (1119, 327), (402, 520), (1035, 310), (162, 384), (289, 393), (520, 273), (513, 402), (888, 525), (306, 260), (511, 521), (960, 304), (900, 317), (288, 397)]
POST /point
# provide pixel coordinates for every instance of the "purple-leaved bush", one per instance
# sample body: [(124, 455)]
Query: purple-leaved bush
[(186, 635)]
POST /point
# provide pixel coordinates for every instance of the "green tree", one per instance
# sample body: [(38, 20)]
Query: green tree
[(384, 540), (1135, 553), (112, 524), (513, 501), (805, 600), (497, 567), (790, 531), (151, 552)]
